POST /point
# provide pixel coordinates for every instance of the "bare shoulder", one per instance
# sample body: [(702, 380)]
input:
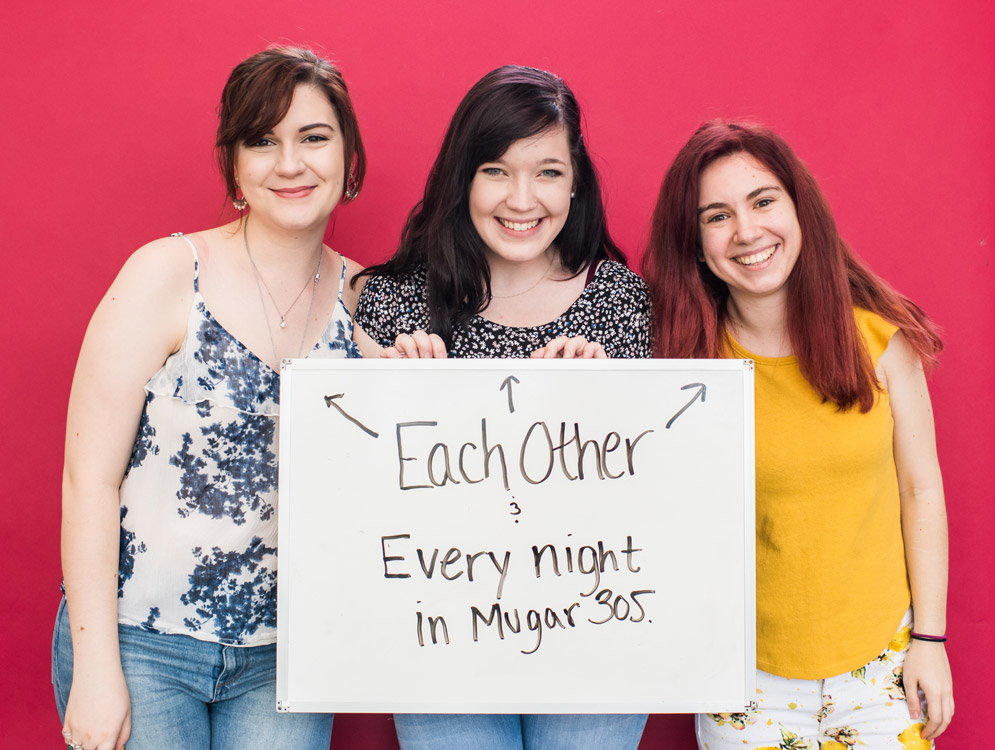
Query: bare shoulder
[(899, 365), (350, 292), (351, 269), (163, 265), (153, 293)]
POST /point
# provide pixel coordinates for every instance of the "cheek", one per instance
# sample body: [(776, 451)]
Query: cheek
[(333, 165), (711, 247), (480, 202), (558, 204)]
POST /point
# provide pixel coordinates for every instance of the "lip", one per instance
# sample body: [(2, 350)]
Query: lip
[(523, 233), (774, 248), (294, 193)]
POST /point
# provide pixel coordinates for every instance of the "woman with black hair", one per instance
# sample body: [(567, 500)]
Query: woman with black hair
[(508, 255), (509, 249)]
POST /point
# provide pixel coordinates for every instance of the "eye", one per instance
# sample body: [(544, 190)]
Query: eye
[(315, 138), (764, 202), (551, 173), (260, 143), (490, 171), (716, 218)]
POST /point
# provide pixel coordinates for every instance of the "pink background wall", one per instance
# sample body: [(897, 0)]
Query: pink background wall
[(109, 112)]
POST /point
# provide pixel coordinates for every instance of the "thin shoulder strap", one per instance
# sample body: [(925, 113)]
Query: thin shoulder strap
[(196, 261), (342, 278)]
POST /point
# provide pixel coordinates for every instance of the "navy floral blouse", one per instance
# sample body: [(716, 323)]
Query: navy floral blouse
[(198, 501)]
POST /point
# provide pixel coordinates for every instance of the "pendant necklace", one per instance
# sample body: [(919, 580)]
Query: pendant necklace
[(261, 284)]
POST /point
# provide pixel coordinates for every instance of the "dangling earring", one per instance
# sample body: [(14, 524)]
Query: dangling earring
[(240, 204), (351, 188)]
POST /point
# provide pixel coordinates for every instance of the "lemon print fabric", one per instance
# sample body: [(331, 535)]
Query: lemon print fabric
[(911, 739), (791, 741), (862, 709), (841, 738), (736, 721), (901, 640)]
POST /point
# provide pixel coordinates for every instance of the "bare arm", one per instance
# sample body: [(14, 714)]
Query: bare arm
[(139, 322), (924, 529)]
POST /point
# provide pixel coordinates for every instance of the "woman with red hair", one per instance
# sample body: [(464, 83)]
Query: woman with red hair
[(745, 261)]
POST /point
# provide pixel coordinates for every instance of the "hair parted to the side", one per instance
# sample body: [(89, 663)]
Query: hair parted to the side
[(827, 281), (506, 105), (258, 95)]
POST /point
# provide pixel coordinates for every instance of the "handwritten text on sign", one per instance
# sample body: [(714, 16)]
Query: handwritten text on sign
[(444, 521)]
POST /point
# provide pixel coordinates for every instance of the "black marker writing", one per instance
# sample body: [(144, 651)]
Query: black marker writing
[(699, 393), (454, 563), (330, 402), (507, 383)]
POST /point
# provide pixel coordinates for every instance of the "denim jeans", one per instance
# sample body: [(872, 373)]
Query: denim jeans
[(195, 694), (519, 732)]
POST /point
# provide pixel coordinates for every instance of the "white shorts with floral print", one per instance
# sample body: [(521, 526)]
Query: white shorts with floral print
[(864, 709)]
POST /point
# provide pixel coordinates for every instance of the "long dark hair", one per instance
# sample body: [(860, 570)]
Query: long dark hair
[(827, 281), (506, 105)]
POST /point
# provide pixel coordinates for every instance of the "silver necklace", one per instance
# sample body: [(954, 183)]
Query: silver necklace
[(261, 283), (526, 291), (283, 315)]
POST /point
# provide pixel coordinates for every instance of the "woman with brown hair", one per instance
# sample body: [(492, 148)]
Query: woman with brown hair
[(745, 261), (166, 635)]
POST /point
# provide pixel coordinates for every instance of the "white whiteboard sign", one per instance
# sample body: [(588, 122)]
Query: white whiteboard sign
[(516, 536)]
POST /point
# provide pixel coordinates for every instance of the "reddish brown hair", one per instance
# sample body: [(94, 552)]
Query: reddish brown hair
[(258, 95), (827, 281)]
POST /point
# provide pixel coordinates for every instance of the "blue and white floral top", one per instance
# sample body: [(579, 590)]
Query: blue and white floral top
[(198, 501)]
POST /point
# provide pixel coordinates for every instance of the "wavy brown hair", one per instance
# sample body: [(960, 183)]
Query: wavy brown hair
[(258, 95)]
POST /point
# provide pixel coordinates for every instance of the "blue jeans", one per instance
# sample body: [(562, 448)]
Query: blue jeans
[(519, 732), (196, 695)]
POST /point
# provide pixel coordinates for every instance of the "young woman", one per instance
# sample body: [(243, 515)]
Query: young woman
[(508, 255), (745, 261), (165, 637)]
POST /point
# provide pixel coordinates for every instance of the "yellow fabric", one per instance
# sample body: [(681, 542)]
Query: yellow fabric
[(832, 585)]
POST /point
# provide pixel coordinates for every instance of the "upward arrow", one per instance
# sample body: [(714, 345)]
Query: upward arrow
[(507, 382)]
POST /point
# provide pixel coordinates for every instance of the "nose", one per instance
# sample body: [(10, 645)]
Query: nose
[(521, 194), (747, 229), (289, 162)]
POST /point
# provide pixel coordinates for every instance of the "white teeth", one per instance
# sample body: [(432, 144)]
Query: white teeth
[(750, 260), (519, 227)]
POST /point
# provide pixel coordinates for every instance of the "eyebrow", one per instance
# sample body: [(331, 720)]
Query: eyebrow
[(753, 194), (314, 125), (305, 128), (547, 160)]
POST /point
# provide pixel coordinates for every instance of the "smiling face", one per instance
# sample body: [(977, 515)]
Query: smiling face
[(749, 230), (292, 177), (520, 202)]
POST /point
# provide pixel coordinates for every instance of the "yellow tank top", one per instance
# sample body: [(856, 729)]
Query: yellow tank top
[(832, 585)]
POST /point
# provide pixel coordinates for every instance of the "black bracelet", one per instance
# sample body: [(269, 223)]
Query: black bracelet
[(930, 638)]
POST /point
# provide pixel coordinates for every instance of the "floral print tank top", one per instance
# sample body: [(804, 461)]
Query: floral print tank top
[(198, 500)]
